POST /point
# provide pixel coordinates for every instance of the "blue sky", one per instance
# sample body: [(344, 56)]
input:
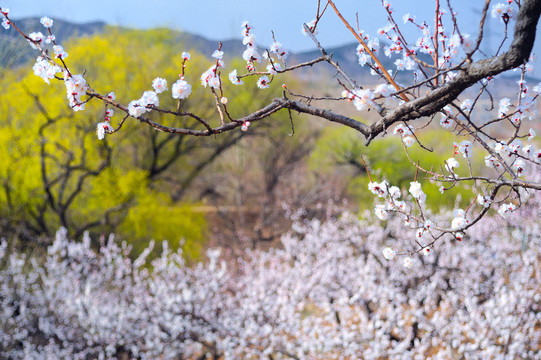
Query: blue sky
[(221, 19)]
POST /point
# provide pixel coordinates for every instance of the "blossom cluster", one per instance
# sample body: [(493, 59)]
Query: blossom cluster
[(252, 56), (514, 154), (105, 127), (372, 44), (210, 77), (6, 24), (76, 87), (453, 45), (143, 104), (46, 68), (181, 89), (504, 12), (425, 232)]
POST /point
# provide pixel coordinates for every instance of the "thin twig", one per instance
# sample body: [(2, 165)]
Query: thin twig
[(367, 49)]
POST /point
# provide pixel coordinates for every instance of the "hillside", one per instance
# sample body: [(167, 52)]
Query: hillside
[(14, 51)]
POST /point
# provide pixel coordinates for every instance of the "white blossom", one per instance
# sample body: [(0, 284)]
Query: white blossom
[(103, 128), (451, 164), (408, 262), (408, 141), (263, 82), (234, 79), (185, 56), (389, 253), (46, 22), (416, 191), (159, 85), (45, 69), (485, 201), (181, 89), (505, 209), (381, 212)]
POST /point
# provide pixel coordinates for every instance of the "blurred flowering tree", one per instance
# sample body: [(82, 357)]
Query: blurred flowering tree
[(450, 82), (328, 293)]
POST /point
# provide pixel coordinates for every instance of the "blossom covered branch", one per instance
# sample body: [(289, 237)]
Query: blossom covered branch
[(447, 76)]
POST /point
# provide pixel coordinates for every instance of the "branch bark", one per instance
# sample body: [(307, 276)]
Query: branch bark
[(517, 54)]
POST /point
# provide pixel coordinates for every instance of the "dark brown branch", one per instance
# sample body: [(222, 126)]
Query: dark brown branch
[(518, 54), (326, 114), (435, 100), (255, 116)]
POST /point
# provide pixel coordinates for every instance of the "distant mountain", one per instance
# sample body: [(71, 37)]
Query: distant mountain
[(348, 60), (344, 55), (14, 50)]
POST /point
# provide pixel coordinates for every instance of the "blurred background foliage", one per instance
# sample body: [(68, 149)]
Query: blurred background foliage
[(387, 160), (55, 172), (142, 184)]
